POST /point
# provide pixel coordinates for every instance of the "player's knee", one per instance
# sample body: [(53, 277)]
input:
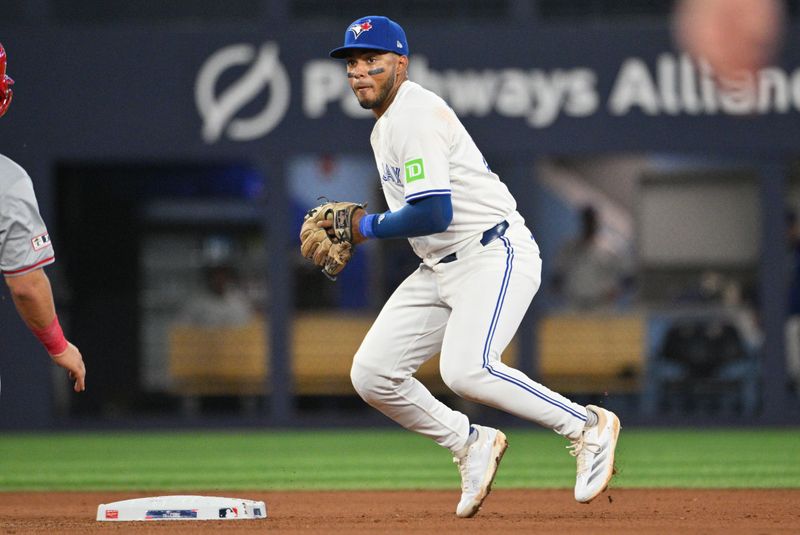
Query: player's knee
[(360, 377), (461, 381), (371, 386)]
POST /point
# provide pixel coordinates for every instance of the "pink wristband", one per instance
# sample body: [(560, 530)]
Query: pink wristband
[(52, 337)]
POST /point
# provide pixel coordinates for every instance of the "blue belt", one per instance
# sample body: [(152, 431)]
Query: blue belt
[(488, 237)]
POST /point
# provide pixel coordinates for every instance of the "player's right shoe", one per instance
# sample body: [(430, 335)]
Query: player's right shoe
[(594, 453), (478, 466)]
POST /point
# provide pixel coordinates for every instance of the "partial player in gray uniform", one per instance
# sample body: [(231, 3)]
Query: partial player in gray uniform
[(25, 249), (479, 270)]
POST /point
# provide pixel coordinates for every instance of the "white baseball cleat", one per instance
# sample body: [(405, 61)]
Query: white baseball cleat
[(478, 466), (594, 451)]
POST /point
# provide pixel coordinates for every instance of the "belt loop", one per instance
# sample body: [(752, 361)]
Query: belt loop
[(493, 233)]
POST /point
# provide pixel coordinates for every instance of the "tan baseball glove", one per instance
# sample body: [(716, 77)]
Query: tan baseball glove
[(330, 248)]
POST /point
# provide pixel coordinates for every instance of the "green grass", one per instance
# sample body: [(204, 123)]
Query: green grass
[(380, 459)]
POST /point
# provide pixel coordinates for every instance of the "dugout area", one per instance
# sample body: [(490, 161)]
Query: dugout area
[(179, 219)]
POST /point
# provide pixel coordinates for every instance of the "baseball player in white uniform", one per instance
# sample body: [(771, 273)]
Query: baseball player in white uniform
[(25, 249), (480, 270)]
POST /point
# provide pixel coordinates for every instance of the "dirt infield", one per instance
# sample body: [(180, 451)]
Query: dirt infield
[(505, 511)]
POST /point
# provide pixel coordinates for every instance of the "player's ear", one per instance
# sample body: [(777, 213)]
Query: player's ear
[(402, 62)]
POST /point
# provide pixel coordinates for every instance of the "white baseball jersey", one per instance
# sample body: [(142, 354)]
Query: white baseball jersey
[(466, 309), (24, 241), (422, 149)]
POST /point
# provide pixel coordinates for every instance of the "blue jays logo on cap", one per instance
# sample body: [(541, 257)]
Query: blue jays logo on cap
[(359, 27), (373, 33)]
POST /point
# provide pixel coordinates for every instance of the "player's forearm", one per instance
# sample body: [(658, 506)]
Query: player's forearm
[(33, 298), (426, 216)]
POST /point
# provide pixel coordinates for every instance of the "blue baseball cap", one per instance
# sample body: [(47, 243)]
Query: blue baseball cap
[(373, 33)]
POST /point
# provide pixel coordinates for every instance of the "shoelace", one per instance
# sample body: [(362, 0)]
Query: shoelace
[(462, 469), (578, 448)]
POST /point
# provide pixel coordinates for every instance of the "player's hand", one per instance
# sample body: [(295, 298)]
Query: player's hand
[(357, 237), (72, 361), (329, 234)]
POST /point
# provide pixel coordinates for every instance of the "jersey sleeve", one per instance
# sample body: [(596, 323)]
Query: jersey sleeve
[(422, 146), (24, 241)]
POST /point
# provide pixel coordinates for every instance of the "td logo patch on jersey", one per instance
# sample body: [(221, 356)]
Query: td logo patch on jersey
[(415, 170), (360, 27)]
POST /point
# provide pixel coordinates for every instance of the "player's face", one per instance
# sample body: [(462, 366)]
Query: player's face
[(373, 77)]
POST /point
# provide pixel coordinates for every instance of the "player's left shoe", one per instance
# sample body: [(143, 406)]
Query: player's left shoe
[(594, 452), (478, 466)]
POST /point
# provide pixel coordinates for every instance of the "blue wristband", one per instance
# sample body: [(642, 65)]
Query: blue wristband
[(365, 225)]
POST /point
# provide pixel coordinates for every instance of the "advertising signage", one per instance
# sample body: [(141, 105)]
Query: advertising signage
[(185, 93)]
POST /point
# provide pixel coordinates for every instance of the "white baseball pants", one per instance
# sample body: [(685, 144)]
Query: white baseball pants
[(468, 311)]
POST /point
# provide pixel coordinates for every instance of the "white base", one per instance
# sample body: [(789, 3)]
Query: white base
[(181, 508)]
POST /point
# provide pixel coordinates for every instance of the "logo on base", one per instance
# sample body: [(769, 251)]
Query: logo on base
[(229, 512)]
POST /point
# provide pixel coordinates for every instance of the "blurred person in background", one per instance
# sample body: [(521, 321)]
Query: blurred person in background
[(25, 249), (735, 37), (219, 302), (793, 284), (588, 274), (793, 261)]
